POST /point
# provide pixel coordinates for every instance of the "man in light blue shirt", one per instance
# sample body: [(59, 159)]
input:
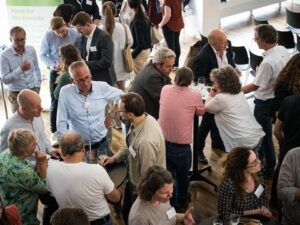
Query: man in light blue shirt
[(59, 35), (19, 66), (81, 106)]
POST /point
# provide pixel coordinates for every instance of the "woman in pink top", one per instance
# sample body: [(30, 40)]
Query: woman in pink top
[(178, 105)]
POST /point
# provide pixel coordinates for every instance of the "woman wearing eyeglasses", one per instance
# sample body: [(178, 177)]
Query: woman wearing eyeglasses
[(242, 191)]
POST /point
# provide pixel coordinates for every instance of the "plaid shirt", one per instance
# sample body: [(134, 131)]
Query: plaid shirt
[(229, 202)]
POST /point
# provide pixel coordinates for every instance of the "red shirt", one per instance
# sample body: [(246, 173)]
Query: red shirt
[(176, 21)]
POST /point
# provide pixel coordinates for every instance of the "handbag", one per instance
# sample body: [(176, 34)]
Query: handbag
[(156, 35), (192, 54), (126, 52), (9, 215)]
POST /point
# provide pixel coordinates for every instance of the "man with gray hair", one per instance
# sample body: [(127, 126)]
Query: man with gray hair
[(76, 184), (150, 80), (81, 106), (274, 59)]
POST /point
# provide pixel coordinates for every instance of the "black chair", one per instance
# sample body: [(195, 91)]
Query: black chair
[(255, 61), (258, 21), (286, 39), (204, 39), (293, 19), (241, 60)]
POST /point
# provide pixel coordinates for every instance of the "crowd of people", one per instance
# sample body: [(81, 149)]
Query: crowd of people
[(87, 76)]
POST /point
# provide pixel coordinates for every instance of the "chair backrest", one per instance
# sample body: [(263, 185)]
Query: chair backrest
[(258, 21), (240, 55), (293, 18), (286, 39), (192, 54), (204, 39), (255, 60)]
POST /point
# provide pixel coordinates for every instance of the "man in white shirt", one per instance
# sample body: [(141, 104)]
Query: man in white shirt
[(76, 184), (274, 59)]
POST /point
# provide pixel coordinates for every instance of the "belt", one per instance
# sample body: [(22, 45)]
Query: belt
[(96, 144), (101, 221), (178, 145)]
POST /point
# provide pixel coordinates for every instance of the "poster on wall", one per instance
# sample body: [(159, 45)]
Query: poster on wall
[(33, 15)]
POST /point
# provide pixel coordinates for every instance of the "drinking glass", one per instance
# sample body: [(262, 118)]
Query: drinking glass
[(101, 155), (217, 222), (201, 81), (234, 219)]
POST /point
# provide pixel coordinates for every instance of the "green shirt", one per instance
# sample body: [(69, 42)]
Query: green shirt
[(20, 185)]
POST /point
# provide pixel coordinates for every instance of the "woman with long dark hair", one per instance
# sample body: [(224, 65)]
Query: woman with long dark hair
[(140, 29), (241, 191), (171, 24)]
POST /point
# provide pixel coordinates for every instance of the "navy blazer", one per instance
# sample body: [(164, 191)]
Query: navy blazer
[(206, 61), (100, 59)]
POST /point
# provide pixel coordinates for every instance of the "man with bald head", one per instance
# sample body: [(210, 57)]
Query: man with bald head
[(28, 115), (217, 53)]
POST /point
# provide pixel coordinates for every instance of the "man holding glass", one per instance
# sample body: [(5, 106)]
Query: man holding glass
[(217, 53)]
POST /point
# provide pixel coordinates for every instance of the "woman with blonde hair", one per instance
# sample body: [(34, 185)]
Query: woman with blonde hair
[(118, 33)]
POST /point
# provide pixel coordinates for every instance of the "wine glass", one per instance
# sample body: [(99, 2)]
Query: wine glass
[(217, 222), (101, 155), (201, 82), (234, 219)]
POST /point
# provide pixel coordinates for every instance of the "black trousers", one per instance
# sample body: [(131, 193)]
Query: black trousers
[(50, 206), (207, 125)]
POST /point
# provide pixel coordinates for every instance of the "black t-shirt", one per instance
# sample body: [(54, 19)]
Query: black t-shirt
[(289, 114)]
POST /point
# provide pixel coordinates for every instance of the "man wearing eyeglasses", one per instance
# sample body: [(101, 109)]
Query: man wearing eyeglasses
[(274, 59), (19, 67), (59, 35), (81, 106)]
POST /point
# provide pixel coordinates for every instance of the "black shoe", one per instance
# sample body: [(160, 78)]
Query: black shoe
[(202, 158)]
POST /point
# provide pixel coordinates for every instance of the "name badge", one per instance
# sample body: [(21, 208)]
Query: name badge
[(132, 152), (171, 213), (93, 48), (88, 2), (88, 105), (259, 190)]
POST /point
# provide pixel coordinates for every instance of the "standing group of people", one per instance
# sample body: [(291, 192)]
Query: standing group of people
[(85, 70)]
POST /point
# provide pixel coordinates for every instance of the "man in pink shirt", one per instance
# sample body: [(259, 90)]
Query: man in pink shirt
[(178, 105)]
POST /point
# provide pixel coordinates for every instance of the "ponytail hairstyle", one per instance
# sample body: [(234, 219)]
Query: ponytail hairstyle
[(109, 11)]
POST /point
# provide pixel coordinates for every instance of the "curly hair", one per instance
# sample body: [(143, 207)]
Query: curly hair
[(151, 180), (289, 76), (227, 79), (235, 166)]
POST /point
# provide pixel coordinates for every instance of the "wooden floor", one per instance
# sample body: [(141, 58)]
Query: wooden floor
[(240, 31)]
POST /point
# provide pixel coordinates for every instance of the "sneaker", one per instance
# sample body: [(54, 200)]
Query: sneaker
[(202, 158)]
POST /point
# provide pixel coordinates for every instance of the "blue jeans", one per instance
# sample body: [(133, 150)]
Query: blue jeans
[(179, 161), (172, 40), (266, 151)]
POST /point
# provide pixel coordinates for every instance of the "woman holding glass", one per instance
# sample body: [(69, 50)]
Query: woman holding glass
[(241, 191), (234, 119)]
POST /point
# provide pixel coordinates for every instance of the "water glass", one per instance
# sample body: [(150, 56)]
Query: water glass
[(234, 219), (217, 222), (102, 154), (201, 81)]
